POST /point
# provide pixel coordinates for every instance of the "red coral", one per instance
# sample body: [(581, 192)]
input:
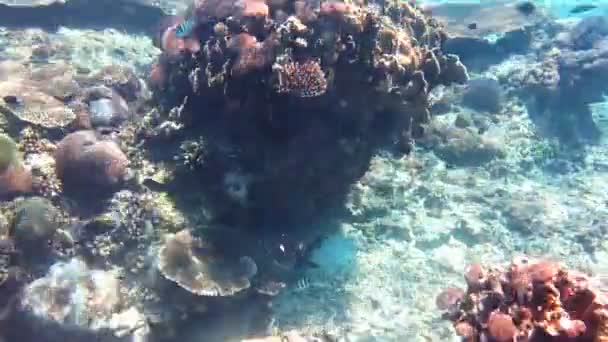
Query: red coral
[(305, 79), (251, 54)]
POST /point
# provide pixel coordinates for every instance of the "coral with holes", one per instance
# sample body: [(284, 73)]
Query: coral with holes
[(528, 300), (302, 95)]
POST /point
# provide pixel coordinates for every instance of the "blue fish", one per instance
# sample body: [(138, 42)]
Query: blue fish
[(185, 29)]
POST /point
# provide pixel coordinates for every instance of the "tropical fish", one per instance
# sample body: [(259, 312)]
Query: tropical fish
[(472, 26), (185, 29), (582, 9), (526, 7)]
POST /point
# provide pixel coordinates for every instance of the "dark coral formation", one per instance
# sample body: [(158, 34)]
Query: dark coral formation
[(526, 301), (300, 93)]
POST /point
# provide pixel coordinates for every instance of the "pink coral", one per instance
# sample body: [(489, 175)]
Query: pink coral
[(305, 79)]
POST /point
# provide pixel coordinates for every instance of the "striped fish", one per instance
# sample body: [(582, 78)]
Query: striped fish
[(184, 30)]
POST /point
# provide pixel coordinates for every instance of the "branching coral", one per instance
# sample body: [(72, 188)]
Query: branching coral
[(528, 301)]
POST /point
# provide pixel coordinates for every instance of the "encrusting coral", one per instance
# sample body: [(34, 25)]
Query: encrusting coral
[(526, 301)]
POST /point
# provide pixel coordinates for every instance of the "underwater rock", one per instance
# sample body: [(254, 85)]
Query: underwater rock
[(484, 95), (14, 177), (35, 223), (500, 29), (83, 159), (460, 146), (108, 111), (585, 34), (77, 297), (198, 269)]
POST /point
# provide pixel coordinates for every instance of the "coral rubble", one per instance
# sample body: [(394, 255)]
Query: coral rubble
[(529, 300)]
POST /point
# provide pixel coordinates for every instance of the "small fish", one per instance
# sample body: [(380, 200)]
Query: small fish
[(185, 29), (302, 284), (472, 26), (13, 100), (582, 9), (526, 7)]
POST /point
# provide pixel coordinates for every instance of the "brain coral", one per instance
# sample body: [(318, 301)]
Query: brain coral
[(83, 159)]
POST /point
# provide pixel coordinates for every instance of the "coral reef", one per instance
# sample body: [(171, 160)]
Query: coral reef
[(301, 98), (526, 301)]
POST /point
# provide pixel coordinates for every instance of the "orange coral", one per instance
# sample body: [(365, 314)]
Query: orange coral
[(558, 305)]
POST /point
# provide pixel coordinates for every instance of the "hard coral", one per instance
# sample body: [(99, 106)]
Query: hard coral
[(560, 306), (370, 76), (83, 159), (14, 177), (301, 79), (198, 269)]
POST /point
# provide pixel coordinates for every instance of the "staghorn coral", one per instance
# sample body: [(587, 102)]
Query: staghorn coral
[(191, 264), (530, 300)]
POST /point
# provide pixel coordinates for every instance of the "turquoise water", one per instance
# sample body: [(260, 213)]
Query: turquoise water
[(299, 170)]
